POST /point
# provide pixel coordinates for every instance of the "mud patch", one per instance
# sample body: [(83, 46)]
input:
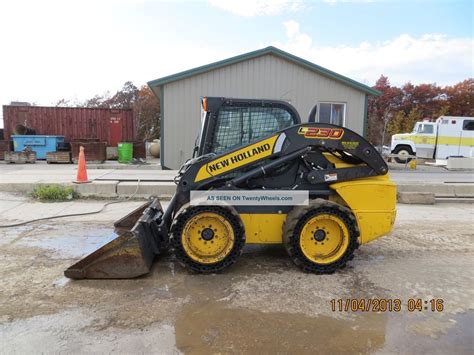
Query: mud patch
[(263, 303), (9, 235), (71, 332), (429, 334)]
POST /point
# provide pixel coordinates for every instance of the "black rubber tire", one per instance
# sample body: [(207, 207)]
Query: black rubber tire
[(184, 214), (397, 150), (295, 222)]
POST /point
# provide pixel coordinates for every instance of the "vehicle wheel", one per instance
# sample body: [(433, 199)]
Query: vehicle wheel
[(207, 239), (402, 152), (321, 237)]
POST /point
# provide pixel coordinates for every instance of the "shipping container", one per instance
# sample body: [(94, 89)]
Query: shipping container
[(105, 125)]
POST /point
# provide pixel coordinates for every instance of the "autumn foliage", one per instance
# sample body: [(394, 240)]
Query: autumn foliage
[(147, 114), (398, 108), (395, 110)]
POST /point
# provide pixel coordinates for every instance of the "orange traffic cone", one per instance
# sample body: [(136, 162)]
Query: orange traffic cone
[(81, 168)]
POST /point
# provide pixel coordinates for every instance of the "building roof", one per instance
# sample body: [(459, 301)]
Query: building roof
[(258, 53)]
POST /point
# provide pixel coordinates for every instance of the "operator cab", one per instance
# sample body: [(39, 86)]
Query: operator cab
[(227, 124)]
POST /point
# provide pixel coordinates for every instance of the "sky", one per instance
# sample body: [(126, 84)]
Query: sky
[(71, 49)]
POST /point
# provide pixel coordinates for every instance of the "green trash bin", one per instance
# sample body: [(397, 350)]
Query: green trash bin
[(125, 152)]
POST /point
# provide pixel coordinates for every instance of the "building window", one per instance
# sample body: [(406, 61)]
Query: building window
[(332, 112)]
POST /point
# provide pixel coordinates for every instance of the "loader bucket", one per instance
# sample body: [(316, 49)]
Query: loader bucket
[(129, 255)]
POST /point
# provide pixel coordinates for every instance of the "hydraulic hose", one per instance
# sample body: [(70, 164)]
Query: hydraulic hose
[(71, 214)]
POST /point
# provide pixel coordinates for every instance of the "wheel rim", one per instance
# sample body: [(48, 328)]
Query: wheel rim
[(207, 238), (324, 239), (403, 154)]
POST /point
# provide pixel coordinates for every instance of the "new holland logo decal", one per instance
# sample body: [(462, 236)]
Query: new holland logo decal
[(222, 163), (240, 157), (321, 133)]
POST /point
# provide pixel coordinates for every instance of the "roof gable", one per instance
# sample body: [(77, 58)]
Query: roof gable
[(260, 52)]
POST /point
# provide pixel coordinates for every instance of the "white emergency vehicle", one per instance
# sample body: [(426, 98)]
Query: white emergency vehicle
[(448, 137)]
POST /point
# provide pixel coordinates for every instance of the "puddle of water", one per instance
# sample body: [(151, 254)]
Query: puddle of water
[(76, 245), (211, 328)]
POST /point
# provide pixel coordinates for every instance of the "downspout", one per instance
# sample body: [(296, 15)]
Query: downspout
[(162, 128), (366, 117)]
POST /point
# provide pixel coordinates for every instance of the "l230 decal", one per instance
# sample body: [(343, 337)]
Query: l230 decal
[(321, 133)]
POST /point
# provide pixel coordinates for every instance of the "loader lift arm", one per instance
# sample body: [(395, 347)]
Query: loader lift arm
[(291, 144)]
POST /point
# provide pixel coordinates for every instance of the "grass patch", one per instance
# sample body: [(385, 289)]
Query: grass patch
[(54, 193)]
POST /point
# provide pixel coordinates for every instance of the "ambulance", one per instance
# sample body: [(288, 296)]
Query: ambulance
[(449, 136)]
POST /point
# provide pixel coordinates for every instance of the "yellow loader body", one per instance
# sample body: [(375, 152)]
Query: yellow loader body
[(372, 200)]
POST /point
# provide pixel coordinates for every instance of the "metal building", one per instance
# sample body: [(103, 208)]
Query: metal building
[(268, 73)]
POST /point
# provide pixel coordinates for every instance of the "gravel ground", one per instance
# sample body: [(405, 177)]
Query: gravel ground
[(263, 304)]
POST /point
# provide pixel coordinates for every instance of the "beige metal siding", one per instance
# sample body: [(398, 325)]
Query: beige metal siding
[(265, 77)]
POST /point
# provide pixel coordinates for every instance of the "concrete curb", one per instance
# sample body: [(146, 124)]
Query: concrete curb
[(145, 189), (439, 189), (101, 188), (413, 192), (97, 188), (419, 198)]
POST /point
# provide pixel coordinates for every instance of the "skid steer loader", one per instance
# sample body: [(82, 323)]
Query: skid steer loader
[(258, 145)]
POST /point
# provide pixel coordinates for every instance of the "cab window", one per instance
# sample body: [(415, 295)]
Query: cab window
[(238, 126), (425, 129), (468, 125)]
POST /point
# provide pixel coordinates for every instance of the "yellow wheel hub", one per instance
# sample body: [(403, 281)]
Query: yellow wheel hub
[(324, 239), (207, 238)]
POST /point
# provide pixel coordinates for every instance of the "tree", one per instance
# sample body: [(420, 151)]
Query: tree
[(428, 98), (382, 109), (413, 116), (397, 109), (147, 114), (63, 103), (68, 103), (443, 110), (125, 97), (145, 105), (461, 98), (403, 123), (397, 124), (98, 101)]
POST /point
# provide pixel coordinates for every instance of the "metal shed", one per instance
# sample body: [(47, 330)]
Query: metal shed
[(268, 73)]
